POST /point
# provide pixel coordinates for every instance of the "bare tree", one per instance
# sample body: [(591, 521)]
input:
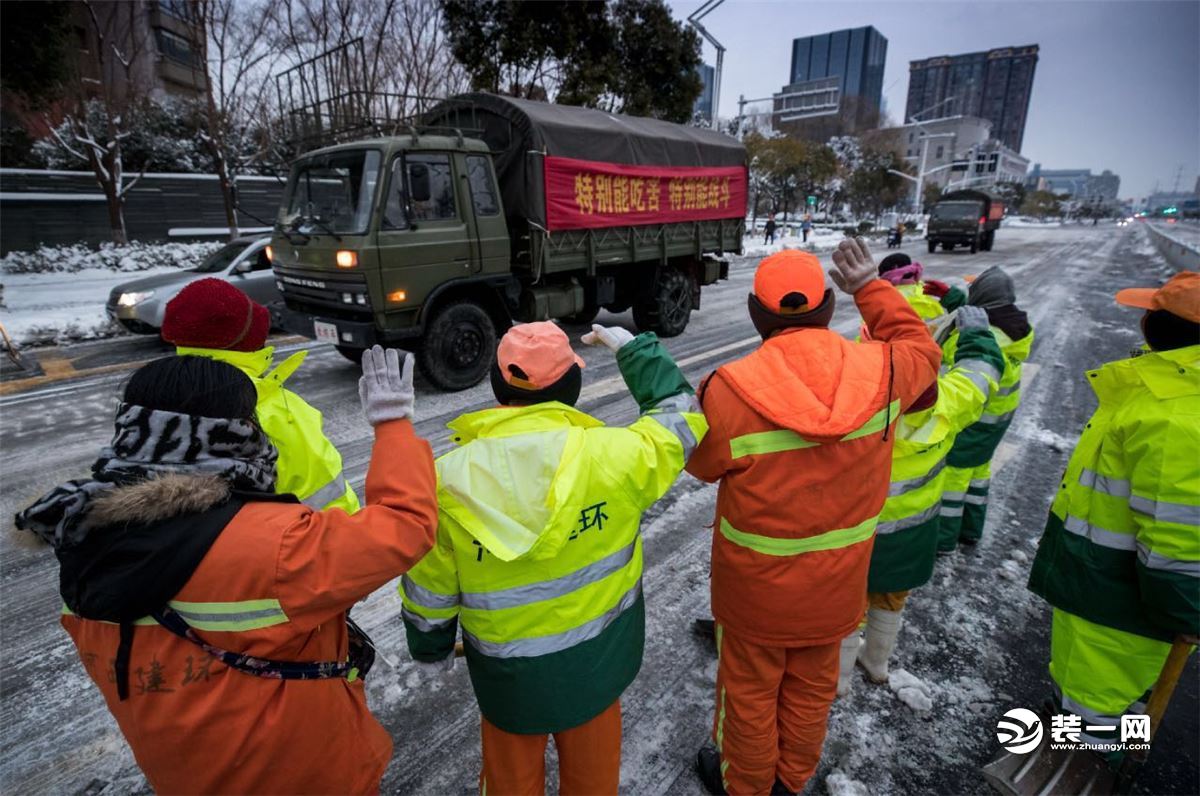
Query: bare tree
[(103, 99), (236, 56)]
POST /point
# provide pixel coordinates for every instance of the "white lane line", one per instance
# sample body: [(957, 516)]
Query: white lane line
[(1006, 450)]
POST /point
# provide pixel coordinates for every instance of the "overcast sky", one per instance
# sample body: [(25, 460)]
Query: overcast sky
[(1117, 84)]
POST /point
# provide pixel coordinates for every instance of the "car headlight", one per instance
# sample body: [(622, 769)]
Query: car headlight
[(135, 298)]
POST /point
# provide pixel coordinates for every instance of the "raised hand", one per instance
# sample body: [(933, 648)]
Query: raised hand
[(855, 266), (386, 386)]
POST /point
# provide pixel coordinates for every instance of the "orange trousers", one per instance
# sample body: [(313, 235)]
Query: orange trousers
[(772, 711), (589, 759)]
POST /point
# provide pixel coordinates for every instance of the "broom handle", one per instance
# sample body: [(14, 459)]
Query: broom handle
[(1168, 678)]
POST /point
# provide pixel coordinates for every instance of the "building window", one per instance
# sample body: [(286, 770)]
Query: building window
[(177, 48), (175, 8), (910, 137), (940, 150)]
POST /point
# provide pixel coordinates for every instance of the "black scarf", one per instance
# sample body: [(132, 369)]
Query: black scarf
[(151, 442)]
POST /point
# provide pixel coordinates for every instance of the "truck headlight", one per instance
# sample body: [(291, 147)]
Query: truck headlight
[(133, 299)]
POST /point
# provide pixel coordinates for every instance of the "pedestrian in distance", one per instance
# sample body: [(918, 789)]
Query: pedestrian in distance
[(1119, 559), (769, 229), (212, 318), (969, 470), (198, 598), (806, 226), (539, 556), (800, 439), (907, 534)]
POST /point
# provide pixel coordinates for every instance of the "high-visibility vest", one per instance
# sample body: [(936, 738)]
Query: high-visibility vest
[(538, 553), (309, 466), (1121, 546), (978, 442), (906, 536)]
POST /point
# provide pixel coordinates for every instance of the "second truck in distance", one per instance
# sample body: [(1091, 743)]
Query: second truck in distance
[(497, 210), (964, 218)]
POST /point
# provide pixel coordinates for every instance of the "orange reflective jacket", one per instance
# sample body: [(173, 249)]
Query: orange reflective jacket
[(276, 584), (800, 439)]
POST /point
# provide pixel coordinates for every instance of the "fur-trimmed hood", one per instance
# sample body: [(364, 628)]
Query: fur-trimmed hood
[(157, 499)]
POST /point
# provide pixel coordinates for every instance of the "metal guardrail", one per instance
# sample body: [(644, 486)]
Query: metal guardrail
[(1181, 254)]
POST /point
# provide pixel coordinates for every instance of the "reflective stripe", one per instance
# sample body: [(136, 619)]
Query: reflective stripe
[(1079, 709), (980, 366), (1153, 560), (327, 494), (1100, 536), (677, 424), (419, 595), (787, 440), (976, 500), (951, 511), (980, 483), (904, 523), (997, 419), (1117, 487), (230, 616), (775, 546), (1163, 511), (1009, 390), (978, 379), (900, 487), (953, 496), (545, 645), (549, 589), (424, 624), (145, 620)]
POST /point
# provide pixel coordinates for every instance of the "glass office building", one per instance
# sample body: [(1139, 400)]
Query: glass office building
[(854, 56)]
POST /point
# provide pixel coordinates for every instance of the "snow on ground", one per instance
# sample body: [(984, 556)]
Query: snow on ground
[(56, 295), (819, 240), (1028, 222)]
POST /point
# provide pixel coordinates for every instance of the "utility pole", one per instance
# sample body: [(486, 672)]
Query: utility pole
[(694, 20)]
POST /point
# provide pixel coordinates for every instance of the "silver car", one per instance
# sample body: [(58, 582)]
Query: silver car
[(139, 305)]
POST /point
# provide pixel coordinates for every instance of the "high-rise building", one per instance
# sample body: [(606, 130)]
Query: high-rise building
[(995, 85), (703, 108), (1075, 183), (836, 84)]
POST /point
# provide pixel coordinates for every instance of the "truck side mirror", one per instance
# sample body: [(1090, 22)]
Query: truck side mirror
[(418, 182)]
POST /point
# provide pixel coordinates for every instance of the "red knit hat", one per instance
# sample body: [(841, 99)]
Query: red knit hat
[(211, 313)]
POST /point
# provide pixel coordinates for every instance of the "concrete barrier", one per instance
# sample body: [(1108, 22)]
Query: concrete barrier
[(1182, 255)]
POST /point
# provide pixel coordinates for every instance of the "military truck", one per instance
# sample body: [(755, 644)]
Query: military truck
[(494, 210), (964, 218)]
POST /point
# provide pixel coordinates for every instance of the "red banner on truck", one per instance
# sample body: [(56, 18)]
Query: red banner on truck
[(586, 194)]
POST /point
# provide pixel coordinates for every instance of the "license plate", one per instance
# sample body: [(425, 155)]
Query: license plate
[(326, 332)]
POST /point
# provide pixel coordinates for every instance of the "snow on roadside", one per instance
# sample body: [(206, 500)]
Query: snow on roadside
[(840, 784), (819, 240), (56, 295)]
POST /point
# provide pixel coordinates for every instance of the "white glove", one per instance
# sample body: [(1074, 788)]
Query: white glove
[(612, 336), (855, 266), (970, 317), (435, 668), (386, 386)]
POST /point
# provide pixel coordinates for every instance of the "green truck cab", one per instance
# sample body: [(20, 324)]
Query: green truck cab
[(432, 240), (964, 218)]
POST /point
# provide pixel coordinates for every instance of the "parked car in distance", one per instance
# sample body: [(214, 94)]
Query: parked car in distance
[(139, 305)]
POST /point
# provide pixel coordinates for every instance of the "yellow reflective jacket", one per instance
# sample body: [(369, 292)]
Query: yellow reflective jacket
[(538, 551), (309, 466)]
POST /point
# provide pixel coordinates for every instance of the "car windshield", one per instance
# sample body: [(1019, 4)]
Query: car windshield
[(221, 259), (958, 211), (332, 193)]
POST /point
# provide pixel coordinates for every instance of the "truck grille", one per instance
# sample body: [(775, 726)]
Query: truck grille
[(312, 290)]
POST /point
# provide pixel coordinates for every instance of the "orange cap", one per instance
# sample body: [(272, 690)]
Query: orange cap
[(532, 356), (1179, 296), (786, 273)]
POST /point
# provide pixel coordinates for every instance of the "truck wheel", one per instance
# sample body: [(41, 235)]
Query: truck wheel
[(947, 247), (975, 244), (584, 316), (932, 246), (666, 309), (351, 353), (988, 240), (458, 346)]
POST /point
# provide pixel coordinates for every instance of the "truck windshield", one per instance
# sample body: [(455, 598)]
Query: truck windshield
[(957, 211), (332, 193)]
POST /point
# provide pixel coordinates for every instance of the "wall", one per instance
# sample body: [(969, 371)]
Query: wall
[(57, 207)]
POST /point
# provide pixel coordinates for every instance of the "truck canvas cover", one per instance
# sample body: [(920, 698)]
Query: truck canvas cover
[(592, 159)]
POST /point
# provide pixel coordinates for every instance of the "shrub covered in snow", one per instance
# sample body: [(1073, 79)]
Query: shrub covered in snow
[(130, 258)]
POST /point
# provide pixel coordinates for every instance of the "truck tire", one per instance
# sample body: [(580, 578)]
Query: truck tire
[(667, 308), (947, 247), (458, 346), (932, 246), (975, 244), (988, 240), (351, 353)]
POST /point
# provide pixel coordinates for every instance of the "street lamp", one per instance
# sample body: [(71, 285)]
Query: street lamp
[(694, 20)]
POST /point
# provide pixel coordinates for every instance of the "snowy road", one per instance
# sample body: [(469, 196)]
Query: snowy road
[(974, 646)]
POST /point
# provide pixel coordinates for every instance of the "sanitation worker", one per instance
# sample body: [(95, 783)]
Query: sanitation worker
[(969, 470), (907, 533), (212, 318), (903, 272), (198, 598), (1119, 559), (539, 556), (800, 439)]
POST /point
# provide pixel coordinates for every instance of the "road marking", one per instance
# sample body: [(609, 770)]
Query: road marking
[(1006, 450)]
